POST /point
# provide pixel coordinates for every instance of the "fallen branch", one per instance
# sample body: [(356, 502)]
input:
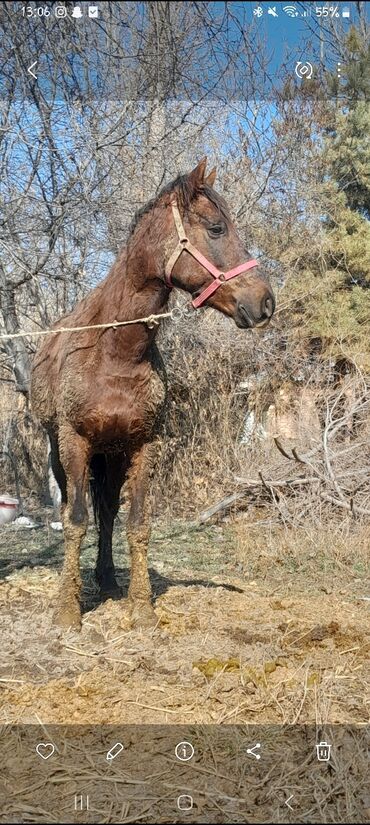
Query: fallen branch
[(268, 489), (284, 482), (252, 486), (221, 505), (333, 471), (345, 505)]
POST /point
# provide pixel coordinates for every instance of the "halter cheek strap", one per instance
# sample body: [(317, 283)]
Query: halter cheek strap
[(185, 245)]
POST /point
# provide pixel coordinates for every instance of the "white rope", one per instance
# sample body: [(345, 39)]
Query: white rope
[(151, 320)]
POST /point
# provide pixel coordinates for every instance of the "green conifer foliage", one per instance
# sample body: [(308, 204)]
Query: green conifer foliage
[(337, 307)]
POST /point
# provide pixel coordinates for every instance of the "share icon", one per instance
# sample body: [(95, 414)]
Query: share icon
[(251, 751)]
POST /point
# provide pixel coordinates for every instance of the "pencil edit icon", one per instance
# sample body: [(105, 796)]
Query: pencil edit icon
[(114, 751)]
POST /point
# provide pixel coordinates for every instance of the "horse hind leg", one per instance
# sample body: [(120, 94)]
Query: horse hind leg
[(108, 474), (74, 454)]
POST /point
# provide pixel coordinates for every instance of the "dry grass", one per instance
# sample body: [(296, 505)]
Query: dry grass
[(226, 784), (23, 447), (258, 627), (252, 624)]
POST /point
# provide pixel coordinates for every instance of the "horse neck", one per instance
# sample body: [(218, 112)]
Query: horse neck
[(132, 290)]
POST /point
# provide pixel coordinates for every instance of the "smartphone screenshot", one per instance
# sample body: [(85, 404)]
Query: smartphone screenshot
[(184, 412)]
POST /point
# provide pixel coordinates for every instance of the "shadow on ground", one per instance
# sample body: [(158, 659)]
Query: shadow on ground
[(173, 550), (160, 585)]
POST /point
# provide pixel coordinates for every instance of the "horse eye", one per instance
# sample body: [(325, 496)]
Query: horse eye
[(216, 230)]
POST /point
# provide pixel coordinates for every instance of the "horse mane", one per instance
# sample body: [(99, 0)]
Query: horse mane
[(186, 192)]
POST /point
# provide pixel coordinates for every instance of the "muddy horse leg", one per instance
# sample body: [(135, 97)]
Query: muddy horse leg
[(108, 474), (138, 532), (74, 454)]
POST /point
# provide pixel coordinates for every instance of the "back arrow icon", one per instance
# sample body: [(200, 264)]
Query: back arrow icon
[(288, 800), (30, 69)]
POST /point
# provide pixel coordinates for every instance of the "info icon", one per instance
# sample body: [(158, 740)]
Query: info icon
[(323, 751), (184, 751)]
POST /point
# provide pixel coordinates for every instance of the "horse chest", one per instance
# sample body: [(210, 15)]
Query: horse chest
[(124, 410)]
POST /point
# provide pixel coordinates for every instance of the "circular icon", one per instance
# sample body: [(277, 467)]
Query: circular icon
[(304, 70), (60, 11), (184, 751)]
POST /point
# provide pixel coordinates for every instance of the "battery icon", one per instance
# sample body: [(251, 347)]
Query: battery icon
[(346, 11), (117, 748)]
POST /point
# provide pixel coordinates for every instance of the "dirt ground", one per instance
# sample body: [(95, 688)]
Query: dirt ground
[(255, 627), (241, 636)]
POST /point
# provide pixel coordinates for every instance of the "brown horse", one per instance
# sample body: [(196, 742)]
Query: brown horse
[(100, 393)]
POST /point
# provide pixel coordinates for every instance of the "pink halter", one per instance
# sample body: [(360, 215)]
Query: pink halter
[(185, 245)]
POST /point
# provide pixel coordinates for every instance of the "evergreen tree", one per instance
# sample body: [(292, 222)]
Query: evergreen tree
[(338, 314)]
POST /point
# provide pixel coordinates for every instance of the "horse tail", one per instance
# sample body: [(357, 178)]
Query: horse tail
[(98, 481)]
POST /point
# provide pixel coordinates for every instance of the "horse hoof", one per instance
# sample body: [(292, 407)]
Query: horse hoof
[(143, 615), (68, 616)]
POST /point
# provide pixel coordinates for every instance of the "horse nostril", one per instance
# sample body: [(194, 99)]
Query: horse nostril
[(267, 307)]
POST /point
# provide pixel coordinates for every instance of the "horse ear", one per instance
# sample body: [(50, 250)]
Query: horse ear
[(210, 179), (196, 177)]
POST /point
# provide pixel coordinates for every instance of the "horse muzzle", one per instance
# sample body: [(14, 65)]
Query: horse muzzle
[(250, 315)]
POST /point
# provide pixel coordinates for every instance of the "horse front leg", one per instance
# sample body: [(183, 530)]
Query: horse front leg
[(74, 454), (138, 532)]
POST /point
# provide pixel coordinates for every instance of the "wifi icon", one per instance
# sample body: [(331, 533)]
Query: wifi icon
[(291, 11)]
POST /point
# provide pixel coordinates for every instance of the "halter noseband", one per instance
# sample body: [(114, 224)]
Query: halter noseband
[(185, 244)]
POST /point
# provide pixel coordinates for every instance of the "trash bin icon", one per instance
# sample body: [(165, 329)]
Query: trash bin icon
[(323, 751)]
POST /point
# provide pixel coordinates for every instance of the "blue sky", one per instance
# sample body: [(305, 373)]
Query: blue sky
[(296, 37), (288, 39), (286, 30)]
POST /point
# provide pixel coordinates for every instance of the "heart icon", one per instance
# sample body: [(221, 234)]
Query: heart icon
[(45, 749)]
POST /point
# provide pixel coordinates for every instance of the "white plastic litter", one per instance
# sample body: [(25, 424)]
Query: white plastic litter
[(24, 521), (8, 509)]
